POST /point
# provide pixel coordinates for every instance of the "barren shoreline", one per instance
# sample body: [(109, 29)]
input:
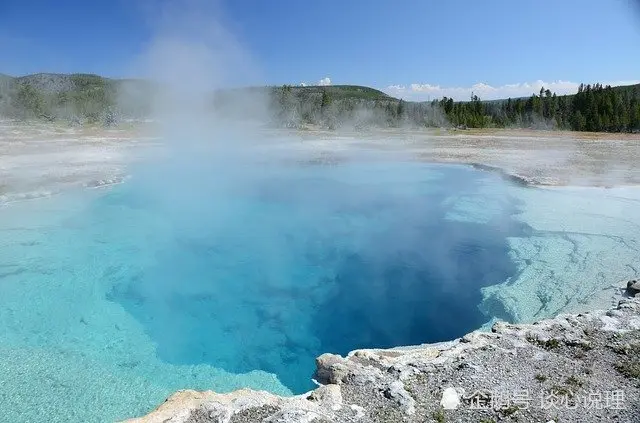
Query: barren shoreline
[(538, 157), (39, 159)]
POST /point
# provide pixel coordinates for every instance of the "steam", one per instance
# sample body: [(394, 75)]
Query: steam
[(203, 153), (191, 56)]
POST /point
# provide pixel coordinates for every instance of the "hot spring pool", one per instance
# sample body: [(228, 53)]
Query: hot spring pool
[(112, 299)]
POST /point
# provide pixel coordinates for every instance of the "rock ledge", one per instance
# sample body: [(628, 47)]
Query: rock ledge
[(583, 367)]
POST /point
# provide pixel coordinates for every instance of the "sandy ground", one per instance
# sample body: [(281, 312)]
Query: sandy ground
[(40, 159), (539, 157)]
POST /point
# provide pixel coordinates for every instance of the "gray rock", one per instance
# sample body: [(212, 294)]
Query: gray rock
[(633, 287), (330, 369), (396, 392)]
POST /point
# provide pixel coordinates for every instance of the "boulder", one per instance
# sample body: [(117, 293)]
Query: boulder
[(396, 392), (450, 399), (633, 287), (330, 368)]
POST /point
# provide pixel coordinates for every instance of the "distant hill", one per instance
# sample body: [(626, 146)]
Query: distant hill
[(340, 92), (337, 92), (93, 98), (74, 97), (87, 98)]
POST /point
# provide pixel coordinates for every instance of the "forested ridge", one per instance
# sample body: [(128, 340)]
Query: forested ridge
[(594, 108), (82, 98)]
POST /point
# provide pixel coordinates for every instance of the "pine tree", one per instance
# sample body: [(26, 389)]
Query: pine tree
[(401, 109), (579, 122), (324, 103)]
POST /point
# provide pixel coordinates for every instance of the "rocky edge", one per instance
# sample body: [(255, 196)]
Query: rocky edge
[(572, 368)]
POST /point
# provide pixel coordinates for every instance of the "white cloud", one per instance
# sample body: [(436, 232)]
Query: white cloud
[(422, 92), (303, 84), (325, 81)]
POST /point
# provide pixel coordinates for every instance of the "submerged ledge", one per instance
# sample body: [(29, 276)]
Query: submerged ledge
[(551, 370)]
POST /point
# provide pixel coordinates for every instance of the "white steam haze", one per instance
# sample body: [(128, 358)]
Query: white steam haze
[(192, 54), (203, 153)]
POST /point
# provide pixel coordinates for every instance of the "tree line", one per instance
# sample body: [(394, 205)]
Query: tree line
[(93, 99), (594, 108)]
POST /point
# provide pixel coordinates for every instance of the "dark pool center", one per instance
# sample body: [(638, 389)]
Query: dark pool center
[(270, 274)]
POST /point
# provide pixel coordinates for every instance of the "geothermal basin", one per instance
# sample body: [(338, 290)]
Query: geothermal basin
[(210, 269)]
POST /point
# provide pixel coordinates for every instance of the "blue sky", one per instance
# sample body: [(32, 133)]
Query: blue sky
[(413, 49)]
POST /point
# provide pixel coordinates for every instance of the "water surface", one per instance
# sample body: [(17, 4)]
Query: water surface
[(112, 299)]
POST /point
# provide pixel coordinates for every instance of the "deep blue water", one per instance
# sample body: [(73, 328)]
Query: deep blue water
[(266, 267)]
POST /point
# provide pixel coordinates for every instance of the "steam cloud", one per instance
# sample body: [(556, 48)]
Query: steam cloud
[(191, 55)]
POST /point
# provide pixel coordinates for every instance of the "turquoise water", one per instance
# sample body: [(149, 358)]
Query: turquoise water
[(223, 277)]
